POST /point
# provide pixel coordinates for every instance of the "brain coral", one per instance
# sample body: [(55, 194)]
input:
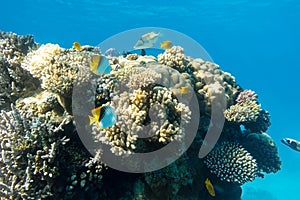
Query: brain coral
[(232, 163)]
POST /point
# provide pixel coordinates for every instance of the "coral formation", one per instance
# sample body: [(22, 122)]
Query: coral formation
[(247, 111), (246, 95), (266, 155), (57, 68), (14, 81), (232, 163), (29, 163), (175, 58), (43, 157), (243, 112)]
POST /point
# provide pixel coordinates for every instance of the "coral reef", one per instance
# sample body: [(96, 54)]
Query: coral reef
[(44, 157)]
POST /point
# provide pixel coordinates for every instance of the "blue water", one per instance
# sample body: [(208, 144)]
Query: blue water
[(255, 40)]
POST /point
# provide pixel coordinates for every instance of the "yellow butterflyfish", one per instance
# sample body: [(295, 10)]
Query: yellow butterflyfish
[(99, 64), (210, 188), (166, 44), (77, 46), (104, 116), (94, 63)]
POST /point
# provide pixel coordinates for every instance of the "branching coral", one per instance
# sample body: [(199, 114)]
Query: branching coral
[(261, 124), (244, 112), (247, 111), (14, 81), (246, 95), (232, 163), (264, 150), (57, 68), (29, 157), (133, 111), (175, 58)]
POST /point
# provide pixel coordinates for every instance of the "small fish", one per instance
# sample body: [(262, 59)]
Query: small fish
[(77, 46), (210, 188), (147, 40), (104, 116), (166, 44), (148, 52), (184, 90), (292, 143), (100, 65)]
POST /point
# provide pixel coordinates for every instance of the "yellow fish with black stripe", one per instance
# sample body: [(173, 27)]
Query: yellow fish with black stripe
[(104, 116), (99, 64)]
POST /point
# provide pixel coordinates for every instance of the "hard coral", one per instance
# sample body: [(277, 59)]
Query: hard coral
[(57, 69), (29, 157), (262, 147), (232, 163), (15, 82), (246, 95), (244, 112), (175, 58)]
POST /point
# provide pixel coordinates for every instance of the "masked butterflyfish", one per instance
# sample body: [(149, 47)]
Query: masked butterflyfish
[(100, 65), (166, 44), (77, 46), (105, 116), (210, 188), (147, 40)]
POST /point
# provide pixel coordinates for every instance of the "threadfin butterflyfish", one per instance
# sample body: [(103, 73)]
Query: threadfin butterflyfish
[(147, 40), (99, 64), (166, 44), (77, 46), (104, 116), (210, 188)]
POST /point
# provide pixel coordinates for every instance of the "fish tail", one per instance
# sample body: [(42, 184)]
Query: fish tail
[(92, 119)]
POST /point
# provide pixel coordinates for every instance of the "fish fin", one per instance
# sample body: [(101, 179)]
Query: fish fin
[(92, 119)]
